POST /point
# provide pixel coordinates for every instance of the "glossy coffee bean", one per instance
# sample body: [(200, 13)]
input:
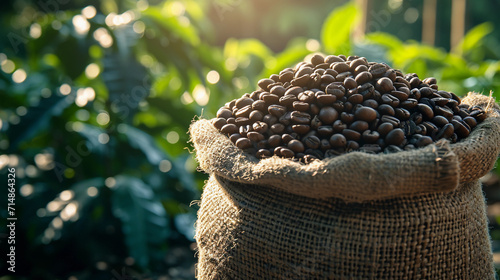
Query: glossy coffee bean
[(395, 137), (243, 143), (328, 115)]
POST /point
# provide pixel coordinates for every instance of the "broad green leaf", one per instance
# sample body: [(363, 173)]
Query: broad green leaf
[(472, 39), (389, 41), (336, 31), (141, 140), (38, 118), (144, 220)]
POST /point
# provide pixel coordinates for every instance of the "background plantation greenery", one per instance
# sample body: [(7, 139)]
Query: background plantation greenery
[(96, 105)]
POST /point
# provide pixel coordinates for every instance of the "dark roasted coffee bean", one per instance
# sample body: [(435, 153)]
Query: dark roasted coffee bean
[(440, 101), (392, 120), (259, 105), (255, 136), (325, 130), (327, 79), (234, 137), (430, 128), (363, 77), (440, 121), (300, 106), (277, 110), (219, 123), (390, 100), (461, 128), (328, 115), (244, 129), (278, 128), (256, 116), (340, 67), (287, 153), (395, 137), (243, 143), (271, 98), (326, 99), (409, 103), (479, 115), (231, 120), (264, 83), (352, 145), (400, 94), (402, 114), (294, 91), (377, 70), (314, 109), (307, 96), (359, 126), (311, 142), (338, 126), (370, 103), (278, 90), (286, 77), (263, 153), (337, 90), (301, 81), (370, 136), (224, 113), (338, 141), (301, 128), (426, 111), (470, 121), (296, 146), (423, 141), (346, 118), (242, 102), (351, 134), (366, 114), (244, 112), (384, 85), (355, 98), (385, 109), (286, 119), (229, 129), (443, 111), (260, 127), (350, 83), (301, 117), (287, 100), (274, 140), (324, 145), (270, 119), (445, 132)]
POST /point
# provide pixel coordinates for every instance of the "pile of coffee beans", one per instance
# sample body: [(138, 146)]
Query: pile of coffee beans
[(336, 104)]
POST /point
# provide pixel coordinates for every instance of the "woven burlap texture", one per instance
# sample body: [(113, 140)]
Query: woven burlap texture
[(410, 215)]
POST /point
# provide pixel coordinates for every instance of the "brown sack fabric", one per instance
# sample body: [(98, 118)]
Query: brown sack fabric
[(410, 215)]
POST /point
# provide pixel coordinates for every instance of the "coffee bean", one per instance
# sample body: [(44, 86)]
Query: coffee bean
[(359, 126), (363, 77), (301, 117), (445, 132), (224, 113), (242, 121), (326, 99), (351, 134), (301, 128), (243, 143), (325, 130), (370, 136), (287, 100), (256, 115), (311, 142), (384, 85), (296, 146), (395, 137), (260, 127), (370, 103), (264, 83), (366, 114), (277, 110), (444, 111), (242, 102), (338, 141), (385, 109), (269, 119), (392, 120), (229, 129), (402, 114), (409, 103), (440, 121), (426, 111), (471, 121), (219, 122), (355, 98), (390, 100), (461, 128), (294, 91), (244, 112), (328, 115), (377, 70)]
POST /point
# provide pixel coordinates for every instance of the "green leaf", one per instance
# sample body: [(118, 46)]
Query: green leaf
[(144, 220), (141, 140), (38, 118), (336, 31), (127, 83), (472, 39), (91, 133)]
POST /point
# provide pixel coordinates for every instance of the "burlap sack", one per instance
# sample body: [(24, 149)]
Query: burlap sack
[(410, 215)]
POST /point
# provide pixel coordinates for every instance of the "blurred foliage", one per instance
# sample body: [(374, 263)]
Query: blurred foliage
[(96, 103)]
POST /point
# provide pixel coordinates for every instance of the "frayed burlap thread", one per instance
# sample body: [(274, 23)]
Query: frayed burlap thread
[(411, 215)]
